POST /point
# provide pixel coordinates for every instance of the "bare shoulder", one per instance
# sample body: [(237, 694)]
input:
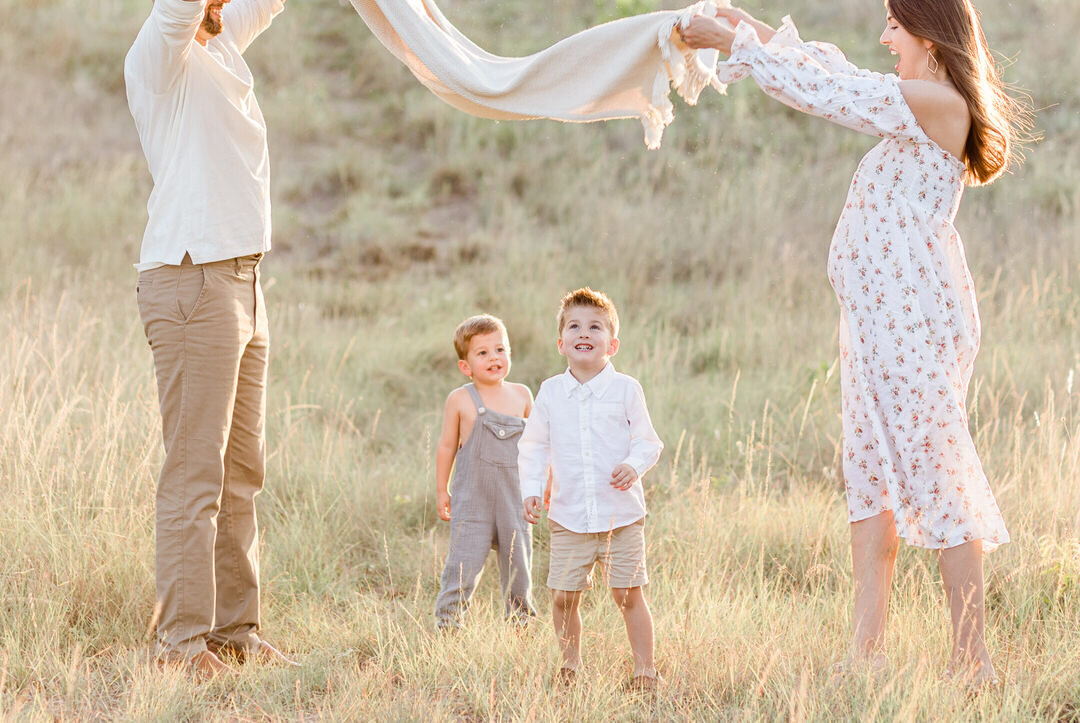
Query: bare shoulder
[(941, 111), (524, 397), (932, 99), (522, 390), (456, 399)]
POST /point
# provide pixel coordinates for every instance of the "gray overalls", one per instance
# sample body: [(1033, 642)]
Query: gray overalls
[(486, 513)]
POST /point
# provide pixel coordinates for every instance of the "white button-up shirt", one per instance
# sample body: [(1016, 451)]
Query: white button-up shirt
[(581, 432), (202, 132)]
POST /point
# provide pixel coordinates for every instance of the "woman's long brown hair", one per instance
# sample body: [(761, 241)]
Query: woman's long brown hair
[(998, 120)]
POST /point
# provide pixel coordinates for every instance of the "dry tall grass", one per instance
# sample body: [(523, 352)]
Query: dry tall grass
[(397, 216)]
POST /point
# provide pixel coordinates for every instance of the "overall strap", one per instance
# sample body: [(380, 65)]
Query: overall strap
[(480, 409)]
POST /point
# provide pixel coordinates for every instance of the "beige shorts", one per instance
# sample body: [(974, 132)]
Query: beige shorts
[(620, 552)]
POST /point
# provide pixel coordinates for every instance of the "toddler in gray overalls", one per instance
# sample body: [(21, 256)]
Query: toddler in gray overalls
[(487, 514)]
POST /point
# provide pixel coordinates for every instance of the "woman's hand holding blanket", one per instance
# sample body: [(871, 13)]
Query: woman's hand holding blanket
[(719, 31), (706, 32)]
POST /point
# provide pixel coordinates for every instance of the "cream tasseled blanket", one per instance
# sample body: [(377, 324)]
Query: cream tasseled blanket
[(621, 69)]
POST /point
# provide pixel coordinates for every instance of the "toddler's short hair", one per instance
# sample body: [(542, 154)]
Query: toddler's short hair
[(589, 298), (474, 326)]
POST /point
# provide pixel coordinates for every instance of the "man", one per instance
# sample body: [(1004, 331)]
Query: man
[(201, 304)]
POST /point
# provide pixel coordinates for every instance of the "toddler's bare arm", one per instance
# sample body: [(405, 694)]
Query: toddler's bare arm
[(445, 453)]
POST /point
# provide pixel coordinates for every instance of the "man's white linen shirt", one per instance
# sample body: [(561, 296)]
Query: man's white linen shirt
[(202, 131), (582, 432)]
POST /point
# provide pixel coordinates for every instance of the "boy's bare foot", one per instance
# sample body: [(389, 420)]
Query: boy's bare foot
[(646, 684), (566, 677), (975, 680), (849, 667)]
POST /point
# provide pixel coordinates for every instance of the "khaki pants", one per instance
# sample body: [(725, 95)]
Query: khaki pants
[(207, 328)]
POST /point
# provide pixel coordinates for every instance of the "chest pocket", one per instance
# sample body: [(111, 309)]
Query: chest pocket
[(498, 441), (612, 415)]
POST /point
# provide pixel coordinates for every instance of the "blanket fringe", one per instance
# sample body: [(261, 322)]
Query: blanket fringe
[(684, 71)]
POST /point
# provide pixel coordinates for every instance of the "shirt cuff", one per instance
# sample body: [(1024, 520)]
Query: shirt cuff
[(641, 466), (743, 47), (787, 34), (531, 490)]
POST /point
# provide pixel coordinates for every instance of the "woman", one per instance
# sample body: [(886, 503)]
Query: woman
[(909, 326)]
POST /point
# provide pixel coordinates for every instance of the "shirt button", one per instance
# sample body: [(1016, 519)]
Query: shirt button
[(502, 432), (480, 410)]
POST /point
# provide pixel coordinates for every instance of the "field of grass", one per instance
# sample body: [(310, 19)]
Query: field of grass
[(396, 216)]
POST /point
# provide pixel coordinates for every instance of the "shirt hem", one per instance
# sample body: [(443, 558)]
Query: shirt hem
[(260, 248), (598, 531)]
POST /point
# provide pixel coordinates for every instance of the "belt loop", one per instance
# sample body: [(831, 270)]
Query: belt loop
[(236, 265)]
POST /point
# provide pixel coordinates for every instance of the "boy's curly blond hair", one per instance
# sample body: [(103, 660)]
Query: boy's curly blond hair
[(474, 326), (589, 298)]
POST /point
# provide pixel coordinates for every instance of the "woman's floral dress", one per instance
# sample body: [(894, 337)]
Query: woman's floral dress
[(909, 326)]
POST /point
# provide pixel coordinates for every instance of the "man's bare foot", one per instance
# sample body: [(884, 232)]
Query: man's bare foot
[(265, 653), (203, 666)]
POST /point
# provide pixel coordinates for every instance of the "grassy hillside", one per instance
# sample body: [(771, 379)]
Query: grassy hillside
[(396, 216)]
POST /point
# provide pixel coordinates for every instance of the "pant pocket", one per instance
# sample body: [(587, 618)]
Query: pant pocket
[(190, 289), (143, 289)]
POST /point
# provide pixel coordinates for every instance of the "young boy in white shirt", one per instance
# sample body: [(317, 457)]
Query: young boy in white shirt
[(590, 427)]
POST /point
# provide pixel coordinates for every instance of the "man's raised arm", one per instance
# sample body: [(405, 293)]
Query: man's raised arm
[(245, 20), (162, 46)]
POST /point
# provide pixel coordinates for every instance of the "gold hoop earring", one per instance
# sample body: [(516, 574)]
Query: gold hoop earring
[(930, 57)]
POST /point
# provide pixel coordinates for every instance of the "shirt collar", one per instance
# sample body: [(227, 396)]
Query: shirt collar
[(596, 386)]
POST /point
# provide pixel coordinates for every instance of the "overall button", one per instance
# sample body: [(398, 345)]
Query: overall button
[(480, 410)]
